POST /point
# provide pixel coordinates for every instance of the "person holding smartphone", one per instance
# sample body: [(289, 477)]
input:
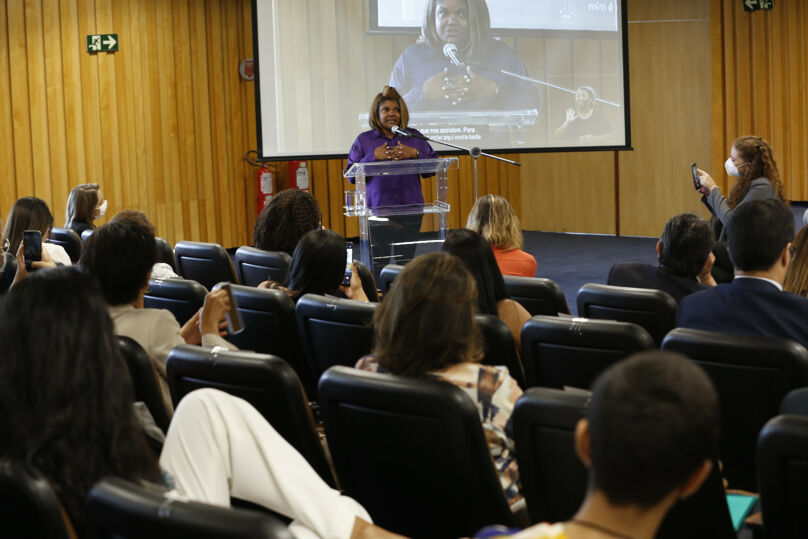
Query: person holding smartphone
[(751, 160)]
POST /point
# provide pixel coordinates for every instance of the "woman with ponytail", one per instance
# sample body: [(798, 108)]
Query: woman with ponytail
[(751, 160)]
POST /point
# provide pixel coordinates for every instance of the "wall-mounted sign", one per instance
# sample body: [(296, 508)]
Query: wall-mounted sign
[(102, 43), (754, 5)]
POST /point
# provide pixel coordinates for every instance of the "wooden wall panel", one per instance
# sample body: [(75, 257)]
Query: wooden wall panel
[(759, 79), (163, 124), (670, 112)]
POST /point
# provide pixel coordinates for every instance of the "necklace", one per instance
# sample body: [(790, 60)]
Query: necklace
[(598, 527)]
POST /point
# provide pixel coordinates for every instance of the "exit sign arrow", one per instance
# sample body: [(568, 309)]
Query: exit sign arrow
[(102, 43)]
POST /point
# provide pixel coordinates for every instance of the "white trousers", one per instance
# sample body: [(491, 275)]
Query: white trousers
[(219, 446)]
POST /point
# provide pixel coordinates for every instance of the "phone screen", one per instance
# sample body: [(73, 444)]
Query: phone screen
[(694, 170), (346, 280), (235, 324), (32, 247)]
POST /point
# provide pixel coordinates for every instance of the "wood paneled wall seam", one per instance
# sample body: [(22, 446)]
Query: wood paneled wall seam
[(162, 124)]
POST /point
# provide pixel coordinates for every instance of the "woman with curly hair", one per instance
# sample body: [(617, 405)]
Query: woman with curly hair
[(752, 161), (287, 218)]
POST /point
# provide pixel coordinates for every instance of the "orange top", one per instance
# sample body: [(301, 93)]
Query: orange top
[(515, 262)]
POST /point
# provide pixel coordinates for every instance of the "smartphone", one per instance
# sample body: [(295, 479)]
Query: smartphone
[(235, 324), (695, 171), (31, 247), (346, 280)]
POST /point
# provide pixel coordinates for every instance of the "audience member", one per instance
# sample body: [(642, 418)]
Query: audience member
[(160, 270), (494, 218), (650, 432), (796, 280), (318, 267), (287, 218), (85, 203), (67, 412), (492, 296), (425, 328), (120, 255), (752, 161), (31, 213), (685, 260), (754, 303)]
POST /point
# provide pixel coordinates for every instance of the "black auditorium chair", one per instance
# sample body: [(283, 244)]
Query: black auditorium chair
[(165, 253), (255, 266), (86, 234), (9, 270), (119, 509), (537, 295), (206, 263), (654, 310), (68, 239), (752, 376), (554, 481), (562, 351), (500, 348), (270, 328), (29, 507), (333, 331), (795, 402), (265, 381), (782, 459), (183, 297), (144, 380), (388, 275), (412, 452)]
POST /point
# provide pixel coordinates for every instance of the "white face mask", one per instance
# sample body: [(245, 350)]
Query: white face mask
[(102, 209), (732, 170)]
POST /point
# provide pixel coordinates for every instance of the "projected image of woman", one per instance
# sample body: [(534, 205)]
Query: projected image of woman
[(456, 63)]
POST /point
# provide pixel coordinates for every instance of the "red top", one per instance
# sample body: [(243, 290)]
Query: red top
[(515, 262)]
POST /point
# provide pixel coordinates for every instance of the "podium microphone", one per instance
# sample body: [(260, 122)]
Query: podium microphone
[(450, 52), (404, 133)]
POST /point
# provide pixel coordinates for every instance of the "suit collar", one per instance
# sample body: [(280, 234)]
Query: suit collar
[(754, 283)]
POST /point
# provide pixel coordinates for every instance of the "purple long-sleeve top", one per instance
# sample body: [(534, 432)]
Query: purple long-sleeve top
[(389, 190)]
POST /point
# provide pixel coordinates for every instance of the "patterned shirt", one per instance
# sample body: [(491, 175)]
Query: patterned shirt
[(494, 393)]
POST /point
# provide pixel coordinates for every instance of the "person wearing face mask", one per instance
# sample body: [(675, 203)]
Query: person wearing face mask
[(584, 124), (85, 203), (752, 161)]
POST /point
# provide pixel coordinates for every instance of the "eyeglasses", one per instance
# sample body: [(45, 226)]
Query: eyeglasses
[(792, 250)]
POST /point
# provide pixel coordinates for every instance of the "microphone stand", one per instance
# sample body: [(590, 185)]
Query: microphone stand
[(474, 152)]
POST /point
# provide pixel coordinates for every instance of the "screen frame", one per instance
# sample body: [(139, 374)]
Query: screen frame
[(439, 148)]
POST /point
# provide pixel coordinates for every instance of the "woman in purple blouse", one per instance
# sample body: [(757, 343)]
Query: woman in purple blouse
[(381, 144)]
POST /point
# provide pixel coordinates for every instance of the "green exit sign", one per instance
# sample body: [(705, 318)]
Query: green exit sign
[(102, 42), (754, 5)]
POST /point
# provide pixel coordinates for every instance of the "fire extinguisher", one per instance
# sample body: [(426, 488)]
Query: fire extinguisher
[(299, 175), (266, 187)]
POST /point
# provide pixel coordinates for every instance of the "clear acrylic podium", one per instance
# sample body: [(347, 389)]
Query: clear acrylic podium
[(378, 248)]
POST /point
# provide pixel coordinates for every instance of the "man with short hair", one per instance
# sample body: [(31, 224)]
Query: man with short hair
[(648, 438), (685, 260), (754, 302)]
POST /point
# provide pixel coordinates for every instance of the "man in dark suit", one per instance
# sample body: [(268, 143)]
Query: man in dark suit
[(685, 260), (754, 302)]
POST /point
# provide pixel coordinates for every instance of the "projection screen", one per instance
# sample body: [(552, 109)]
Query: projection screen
[(502, 75)]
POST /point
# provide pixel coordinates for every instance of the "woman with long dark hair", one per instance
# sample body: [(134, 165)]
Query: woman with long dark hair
[(318, 267), (476, 254), (32, 213)]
